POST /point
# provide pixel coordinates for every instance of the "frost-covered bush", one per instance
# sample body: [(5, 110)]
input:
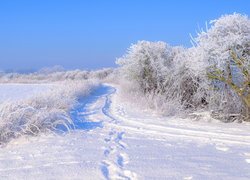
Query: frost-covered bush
[(144, 63), (48, 111), (161, 73), (185, 85), (212, 75), (225, 52), (100, 74)]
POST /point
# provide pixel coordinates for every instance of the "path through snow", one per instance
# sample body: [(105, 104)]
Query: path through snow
[(113, 141)]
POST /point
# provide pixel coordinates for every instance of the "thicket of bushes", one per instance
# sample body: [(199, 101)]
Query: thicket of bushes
[(212, 75)]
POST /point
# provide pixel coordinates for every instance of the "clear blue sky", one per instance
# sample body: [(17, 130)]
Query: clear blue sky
[(91, 34)]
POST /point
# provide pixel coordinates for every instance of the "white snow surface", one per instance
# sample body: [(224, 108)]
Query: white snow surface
[(112, 140), (13, 92)]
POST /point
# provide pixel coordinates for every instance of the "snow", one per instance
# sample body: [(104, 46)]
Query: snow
[(12, 92), (113, 140)]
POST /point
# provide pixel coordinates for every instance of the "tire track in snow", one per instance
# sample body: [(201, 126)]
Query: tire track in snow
[(136, 125), (115, 157), (117, 123)]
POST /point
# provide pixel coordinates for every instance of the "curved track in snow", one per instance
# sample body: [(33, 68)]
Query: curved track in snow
[(114, 141)]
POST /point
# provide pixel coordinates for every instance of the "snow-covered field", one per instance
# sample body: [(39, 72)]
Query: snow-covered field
[(114, 141), (13, 92)]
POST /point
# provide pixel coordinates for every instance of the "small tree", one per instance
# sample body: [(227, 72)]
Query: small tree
[(241, 86), (224, 51)]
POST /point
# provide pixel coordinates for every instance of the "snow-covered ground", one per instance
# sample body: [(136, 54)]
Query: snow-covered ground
[(115, 141), (21, 91)]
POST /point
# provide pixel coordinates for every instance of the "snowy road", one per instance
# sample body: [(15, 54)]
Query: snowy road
[(114, 141)]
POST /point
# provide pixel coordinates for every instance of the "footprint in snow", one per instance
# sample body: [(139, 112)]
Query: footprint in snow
[(110, 150), (122, 159), (119, 141)]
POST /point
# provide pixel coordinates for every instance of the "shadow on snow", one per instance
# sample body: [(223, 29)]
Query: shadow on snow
[(80, 114)]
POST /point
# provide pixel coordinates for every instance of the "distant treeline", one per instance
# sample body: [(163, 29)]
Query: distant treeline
[(53, 74)]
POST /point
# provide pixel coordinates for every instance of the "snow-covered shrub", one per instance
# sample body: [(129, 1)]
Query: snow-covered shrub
[(48, 111), (162, 74), (186, 87), (225, 51), (234, 86), (144, 63), (214, 74), (100, 74)]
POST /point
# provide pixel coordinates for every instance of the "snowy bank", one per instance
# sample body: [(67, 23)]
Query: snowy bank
[(48, 111)]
